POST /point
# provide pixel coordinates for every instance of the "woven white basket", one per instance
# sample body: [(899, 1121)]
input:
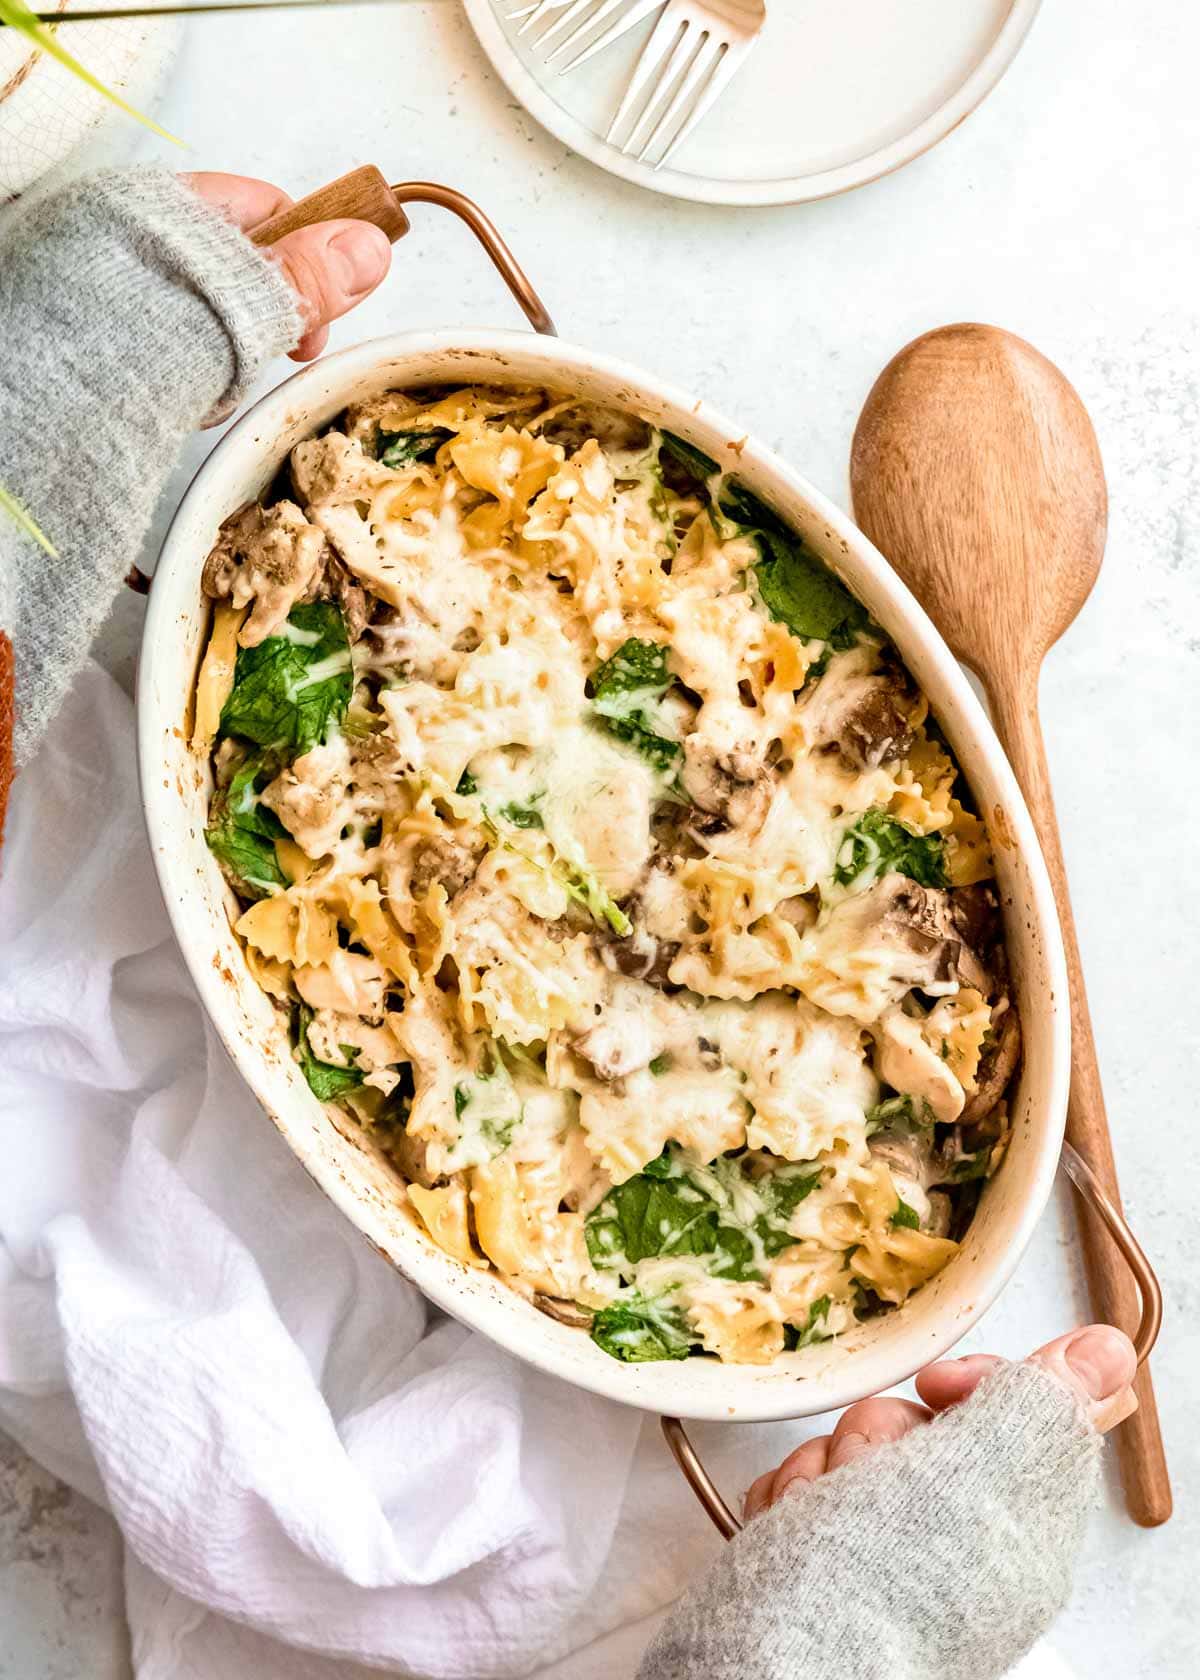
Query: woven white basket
[(47, 114)]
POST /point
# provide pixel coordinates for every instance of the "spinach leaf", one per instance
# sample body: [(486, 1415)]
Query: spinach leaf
[(326, 1080), (649, 1216), (488, 1110), (243, 831), (635, 1329), (972, 1166), (900, 1115), (801, 591), (401, 449), (783, 1191), (626, 690), (676, 1207), (795, 587), (814, 1328), (290, 690), (585, 889), (878, 845), (684, 466), (906, 1218), (467, 785), (522, 816), (660, 1064)]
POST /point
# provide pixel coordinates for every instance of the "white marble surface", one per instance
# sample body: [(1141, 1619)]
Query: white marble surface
[(1065, 209)]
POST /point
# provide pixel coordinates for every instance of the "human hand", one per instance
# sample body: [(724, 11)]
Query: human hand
[(1097, 1365), (330, 266)]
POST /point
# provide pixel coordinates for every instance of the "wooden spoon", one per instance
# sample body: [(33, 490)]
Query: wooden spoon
[(976, 471)]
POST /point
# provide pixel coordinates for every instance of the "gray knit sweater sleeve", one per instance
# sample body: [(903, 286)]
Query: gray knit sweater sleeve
[(129, 310), (941, 1557)]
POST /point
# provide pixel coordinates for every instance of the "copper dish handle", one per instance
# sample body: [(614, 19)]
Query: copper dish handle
[(1144, 1338), (365, 196)]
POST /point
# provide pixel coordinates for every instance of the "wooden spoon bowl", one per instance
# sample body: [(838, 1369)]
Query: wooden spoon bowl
[(976, 471)]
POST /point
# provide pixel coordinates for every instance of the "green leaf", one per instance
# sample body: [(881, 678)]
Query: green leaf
[(326, 1080), (467, 785), (522, 816), (900, 1115), (972, 1166), (636, 1329), (693, 463), (905, 1217), (242, 831), (637, 667), (488, 1110), (881, 845), (585, 889), (401, 449), (21, 517), (795, 587), (626, 691), (800, 591), (290, 690), (784, 1190), (17, 15), (660, 1064), (814, 1328), (674, 1206)]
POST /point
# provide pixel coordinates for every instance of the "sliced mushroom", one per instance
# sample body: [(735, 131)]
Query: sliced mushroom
[(919, 923), (733, 787), (334, 582), (996, 1067), (639, 955), (940, 1210), (566, 1312), (866, 718), (905, 1060)]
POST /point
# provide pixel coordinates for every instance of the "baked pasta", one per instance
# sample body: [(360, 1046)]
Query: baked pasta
[(609, 869)]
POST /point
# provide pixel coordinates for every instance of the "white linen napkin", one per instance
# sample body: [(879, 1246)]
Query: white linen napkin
[(316, 1475)]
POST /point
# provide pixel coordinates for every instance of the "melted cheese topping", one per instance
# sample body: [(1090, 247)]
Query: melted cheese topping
[(557, 955)]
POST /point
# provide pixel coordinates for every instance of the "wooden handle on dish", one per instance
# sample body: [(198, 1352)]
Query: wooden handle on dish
[(363, 195), (1113, 1292)]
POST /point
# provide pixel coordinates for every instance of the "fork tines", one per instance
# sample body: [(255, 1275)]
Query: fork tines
[(694, 62), (581, 27)]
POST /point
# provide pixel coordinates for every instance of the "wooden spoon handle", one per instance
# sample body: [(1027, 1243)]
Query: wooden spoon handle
[(1114, 1295)]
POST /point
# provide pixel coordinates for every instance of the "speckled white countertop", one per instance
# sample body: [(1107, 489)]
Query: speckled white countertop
[(1065, 209)]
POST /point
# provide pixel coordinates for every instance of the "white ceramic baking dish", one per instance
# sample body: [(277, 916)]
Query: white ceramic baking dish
[(176, 786)]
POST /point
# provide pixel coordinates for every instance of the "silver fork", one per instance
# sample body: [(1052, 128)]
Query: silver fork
[(697, 47), (587, 16)]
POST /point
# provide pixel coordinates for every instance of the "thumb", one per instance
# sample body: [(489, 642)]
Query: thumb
[(330, 266), (1096, 1364)]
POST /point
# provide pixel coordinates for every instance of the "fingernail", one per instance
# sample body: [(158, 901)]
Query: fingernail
[(1098, 1358), (361, 256)]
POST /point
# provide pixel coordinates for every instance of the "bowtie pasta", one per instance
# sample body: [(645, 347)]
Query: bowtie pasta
[(610, 871)]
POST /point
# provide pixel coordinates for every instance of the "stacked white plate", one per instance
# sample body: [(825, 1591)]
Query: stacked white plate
[(836, 93)]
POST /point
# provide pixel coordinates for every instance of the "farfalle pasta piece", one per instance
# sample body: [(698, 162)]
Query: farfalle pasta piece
[(215, 682), (291, 928), (443, 1213)]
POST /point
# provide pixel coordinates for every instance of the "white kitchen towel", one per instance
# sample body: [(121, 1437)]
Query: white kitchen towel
[(316, 1475), (295, 1447)]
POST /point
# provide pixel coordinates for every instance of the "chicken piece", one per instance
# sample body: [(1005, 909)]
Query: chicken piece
[(866, 718), (309, 797), (268, 556), (349, 983), (448, 862), (905, 1060)]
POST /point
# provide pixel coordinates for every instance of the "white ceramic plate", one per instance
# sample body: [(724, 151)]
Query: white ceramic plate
[(835, 94)]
